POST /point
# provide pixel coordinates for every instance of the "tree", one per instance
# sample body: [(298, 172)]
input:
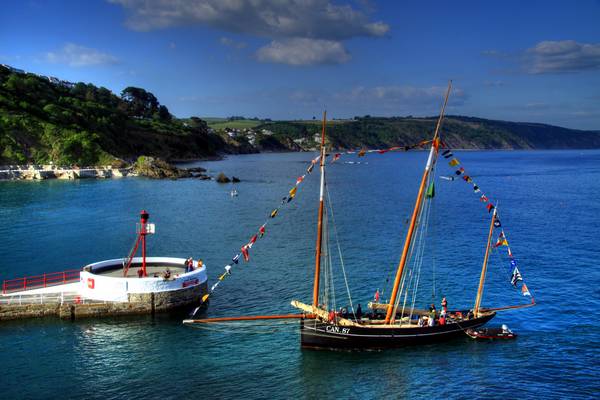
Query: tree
[(141, 103), (164, 114)]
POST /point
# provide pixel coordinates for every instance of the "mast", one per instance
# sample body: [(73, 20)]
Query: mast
[(484, 267), (320, 221), (389, 318)]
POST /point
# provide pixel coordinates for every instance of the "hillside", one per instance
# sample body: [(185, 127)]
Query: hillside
[(458, 131), (44, 119)]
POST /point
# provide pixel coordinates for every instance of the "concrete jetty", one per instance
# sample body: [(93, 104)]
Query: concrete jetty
[(101, 290)]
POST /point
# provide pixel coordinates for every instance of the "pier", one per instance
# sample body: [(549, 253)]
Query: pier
[(101, 290)]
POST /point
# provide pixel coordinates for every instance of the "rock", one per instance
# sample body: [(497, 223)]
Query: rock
[(156, 168), (235, 180), (222, 178)]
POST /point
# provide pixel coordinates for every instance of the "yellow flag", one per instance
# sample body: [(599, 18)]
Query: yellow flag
[(293, 192), (454, 162), (274, 213)]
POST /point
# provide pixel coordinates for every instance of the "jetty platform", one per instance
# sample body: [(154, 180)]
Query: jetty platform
[(100, 289)]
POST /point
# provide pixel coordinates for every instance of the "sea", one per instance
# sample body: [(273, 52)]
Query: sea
[(548, 204)]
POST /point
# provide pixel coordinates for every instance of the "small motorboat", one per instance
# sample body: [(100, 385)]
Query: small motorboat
[(502, 332)]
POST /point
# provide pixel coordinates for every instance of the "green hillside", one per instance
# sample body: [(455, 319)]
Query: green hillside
[(43, 119)]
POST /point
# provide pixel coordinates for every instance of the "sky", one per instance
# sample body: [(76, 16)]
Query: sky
[(530, 61)]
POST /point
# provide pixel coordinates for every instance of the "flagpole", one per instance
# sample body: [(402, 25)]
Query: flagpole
[(484, 267), (320, 220)]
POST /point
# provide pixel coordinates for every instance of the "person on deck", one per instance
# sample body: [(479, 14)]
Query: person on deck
[(444, 304), (432, 311), (431, 321), (331, 316), (358, 312), (442, 320), (377, 296)]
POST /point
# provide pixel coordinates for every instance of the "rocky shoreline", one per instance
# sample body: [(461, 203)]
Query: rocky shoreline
[(149, 167), (41, 172)]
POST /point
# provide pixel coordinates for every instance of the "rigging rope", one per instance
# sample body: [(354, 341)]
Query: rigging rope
[(337, 239)]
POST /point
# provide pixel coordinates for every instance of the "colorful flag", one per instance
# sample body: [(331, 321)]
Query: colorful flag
[(274, 212), (310, 168), (460, 171), (447, 154), (501, 242), (261, 231), (513, 263), (467, 178), (453, 163), (300, 179), (497, 223), (253, 239), (476, 189), (483, 198), (236, 259), (489, 207), (293, 191), (245, 253), (525, 290), (430, 191), (516, 276)]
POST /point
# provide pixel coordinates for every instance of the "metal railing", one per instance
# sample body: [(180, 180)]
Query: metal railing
[(46, 298), (40, 281)]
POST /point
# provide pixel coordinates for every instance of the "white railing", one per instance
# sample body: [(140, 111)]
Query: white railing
[(46, 298)]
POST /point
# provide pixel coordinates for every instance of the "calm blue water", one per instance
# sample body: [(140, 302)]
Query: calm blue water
[(549, 209)]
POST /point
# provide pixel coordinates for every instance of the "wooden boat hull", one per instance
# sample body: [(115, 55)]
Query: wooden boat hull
[(318, 334)]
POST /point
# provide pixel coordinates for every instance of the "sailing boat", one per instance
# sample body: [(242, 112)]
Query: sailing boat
[(391, 324), (396, 322)]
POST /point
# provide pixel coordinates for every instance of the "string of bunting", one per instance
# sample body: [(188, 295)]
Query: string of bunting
[(261, 231), (502, 241), (363, 152)]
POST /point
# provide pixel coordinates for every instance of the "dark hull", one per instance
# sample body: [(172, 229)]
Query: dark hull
[(318, 334)]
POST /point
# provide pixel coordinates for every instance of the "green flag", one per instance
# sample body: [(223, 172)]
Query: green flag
[(430, 191)]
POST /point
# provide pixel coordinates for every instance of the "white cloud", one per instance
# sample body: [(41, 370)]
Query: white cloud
[(319, 19), (79, 56), (562, 56), (302, 51), (298, 29), (394, 96)]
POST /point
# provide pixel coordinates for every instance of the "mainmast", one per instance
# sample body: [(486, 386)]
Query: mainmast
[(390, 316), (484, 267), (320, 223)]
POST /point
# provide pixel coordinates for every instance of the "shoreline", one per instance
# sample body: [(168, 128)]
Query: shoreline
[(35, 172)]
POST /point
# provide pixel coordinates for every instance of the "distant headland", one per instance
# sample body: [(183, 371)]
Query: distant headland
[(46, 120)]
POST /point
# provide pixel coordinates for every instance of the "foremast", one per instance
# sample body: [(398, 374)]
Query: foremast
[(390, 316), (484, 267), (320, 220)]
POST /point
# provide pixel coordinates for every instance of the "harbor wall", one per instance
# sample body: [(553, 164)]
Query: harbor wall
[(136, 304)]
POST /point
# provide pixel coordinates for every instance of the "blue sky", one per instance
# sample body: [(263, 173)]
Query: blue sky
[(536, 61)]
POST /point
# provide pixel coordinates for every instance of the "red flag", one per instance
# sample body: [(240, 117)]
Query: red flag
[(262, 231), (483, 198), (245, 253), (253, 239), (490, 207), (299, 180)]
